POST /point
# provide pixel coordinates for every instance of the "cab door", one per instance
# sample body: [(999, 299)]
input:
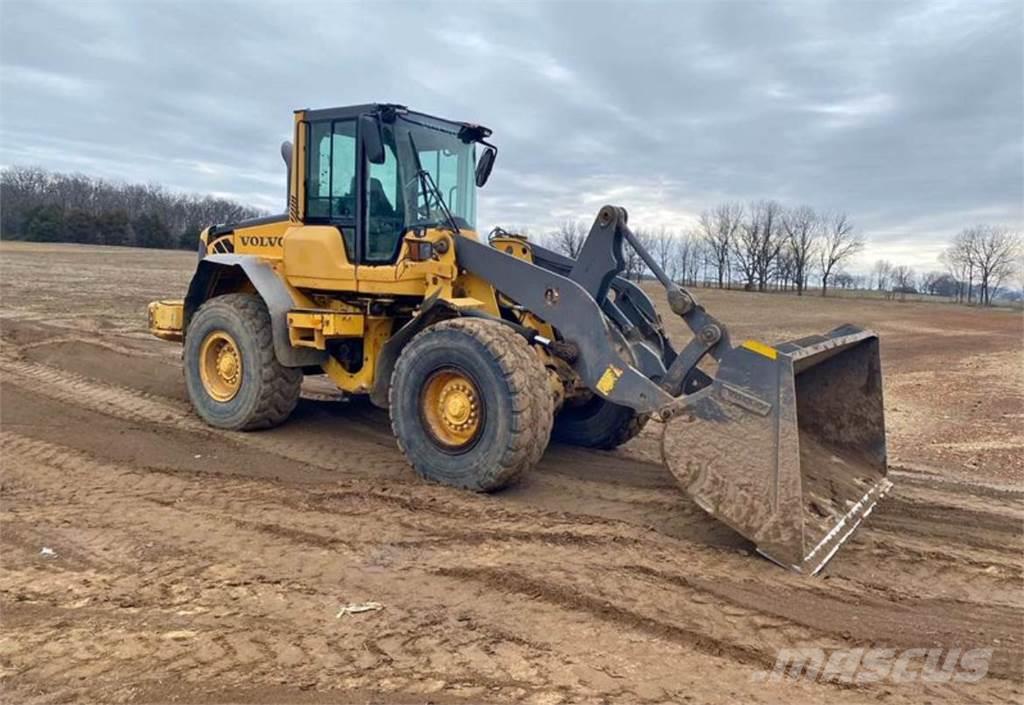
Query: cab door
[(332, 179), (383, 223)]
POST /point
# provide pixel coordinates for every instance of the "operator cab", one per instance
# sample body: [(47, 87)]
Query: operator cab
[(378, 172)]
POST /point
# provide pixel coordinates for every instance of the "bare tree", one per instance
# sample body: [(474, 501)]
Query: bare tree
[(718, 228), (961, 260), (903, 279), (770, 242), (689, 256), (744, 256), (759, 243), (839, 243), (785, 269), (803, 229), (956, 268), (664, 250), (996, 250), (569, 238), (697, 260), (882, 273)]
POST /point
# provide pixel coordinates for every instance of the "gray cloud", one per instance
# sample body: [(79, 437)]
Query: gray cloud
[(908, 115)]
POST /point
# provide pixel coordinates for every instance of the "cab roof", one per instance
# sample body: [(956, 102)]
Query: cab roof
[(354, 111)]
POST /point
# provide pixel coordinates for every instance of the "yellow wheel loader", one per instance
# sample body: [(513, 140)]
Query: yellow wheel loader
[(483, 351)]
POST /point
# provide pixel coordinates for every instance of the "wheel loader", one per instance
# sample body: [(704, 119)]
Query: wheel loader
[(484, 350)]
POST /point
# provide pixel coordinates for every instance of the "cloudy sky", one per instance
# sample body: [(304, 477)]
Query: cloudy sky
[(907, 115)]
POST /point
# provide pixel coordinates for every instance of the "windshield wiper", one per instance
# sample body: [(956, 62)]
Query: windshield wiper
[(429, 188)]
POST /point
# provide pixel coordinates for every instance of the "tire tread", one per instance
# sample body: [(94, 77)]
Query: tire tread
[(279, 391), (526, 378)]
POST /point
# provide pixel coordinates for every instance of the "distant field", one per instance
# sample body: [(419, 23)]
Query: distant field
[(874, 294)]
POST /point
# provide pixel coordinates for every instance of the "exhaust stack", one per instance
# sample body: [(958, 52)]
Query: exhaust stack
[(286, 154)]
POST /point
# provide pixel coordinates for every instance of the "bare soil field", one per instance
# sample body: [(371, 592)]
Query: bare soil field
[(187, 564)]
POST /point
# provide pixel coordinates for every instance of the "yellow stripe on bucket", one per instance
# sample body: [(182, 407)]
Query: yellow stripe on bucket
[(760, 348)]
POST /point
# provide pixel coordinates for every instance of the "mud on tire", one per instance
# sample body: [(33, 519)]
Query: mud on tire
[(510, 385), (268, 392)]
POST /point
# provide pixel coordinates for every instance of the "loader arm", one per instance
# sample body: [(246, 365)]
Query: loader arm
[(573, 296)]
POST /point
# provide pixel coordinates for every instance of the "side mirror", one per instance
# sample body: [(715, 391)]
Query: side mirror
[(484, 165), (373, 141)]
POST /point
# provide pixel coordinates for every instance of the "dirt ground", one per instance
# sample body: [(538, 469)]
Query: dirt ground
[(192, 565)]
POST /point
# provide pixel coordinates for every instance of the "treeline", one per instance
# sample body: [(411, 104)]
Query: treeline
[(759, 246), (763, 245), (44, 206), (979, 261)]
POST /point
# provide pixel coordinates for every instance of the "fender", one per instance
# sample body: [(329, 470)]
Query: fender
[(268, 284)]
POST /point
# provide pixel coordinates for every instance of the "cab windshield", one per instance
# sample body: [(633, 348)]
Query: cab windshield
[(399, 199), (435, 147)]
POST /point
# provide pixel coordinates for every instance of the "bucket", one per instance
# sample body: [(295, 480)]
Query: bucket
[(787, 444)]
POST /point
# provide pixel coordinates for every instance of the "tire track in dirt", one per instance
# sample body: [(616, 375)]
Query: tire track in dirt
[(136, 406), (139, 499), (649, 486), (313, 436), (125, 494), (507, 581), (863, 620), (310, 440), (68, 462), (975, 528), (611, 495), (928, 480), (130, 405), (574, 600), (412, 496)]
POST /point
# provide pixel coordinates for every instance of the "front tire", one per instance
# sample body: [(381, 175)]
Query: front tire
[(233, 377), (470, 404)]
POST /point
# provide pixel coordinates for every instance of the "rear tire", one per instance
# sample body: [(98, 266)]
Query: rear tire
[(233, 377), (597, 423), (466, 407)]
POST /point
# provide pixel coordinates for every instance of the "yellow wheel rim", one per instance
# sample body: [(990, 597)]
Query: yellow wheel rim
[(220, 366), (452, 409)]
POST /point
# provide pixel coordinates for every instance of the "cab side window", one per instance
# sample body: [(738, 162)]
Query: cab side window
[(331, 176), (385, 211)]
